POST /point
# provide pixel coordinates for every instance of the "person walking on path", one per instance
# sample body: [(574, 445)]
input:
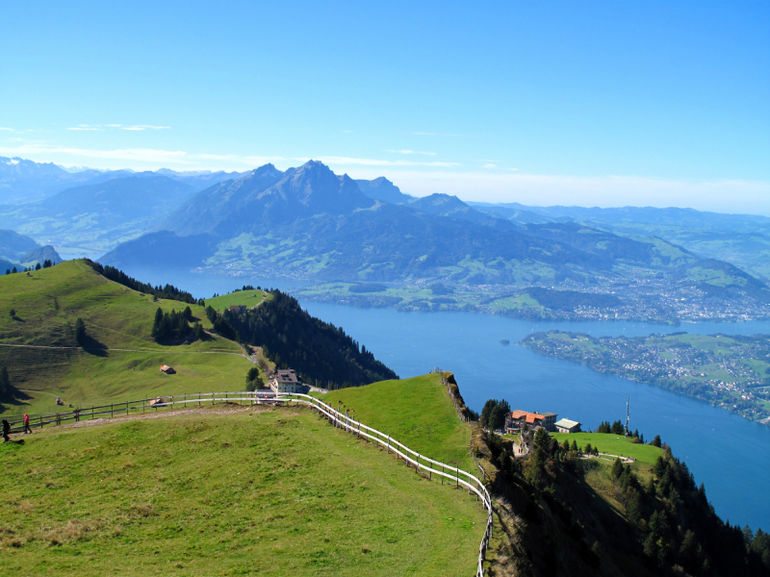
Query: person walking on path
[(27, 428), (6, 430)]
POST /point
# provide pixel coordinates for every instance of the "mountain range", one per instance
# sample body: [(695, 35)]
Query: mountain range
[(366, 242)]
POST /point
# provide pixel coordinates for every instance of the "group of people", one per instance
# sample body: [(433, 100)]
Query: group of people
[(7, 428)]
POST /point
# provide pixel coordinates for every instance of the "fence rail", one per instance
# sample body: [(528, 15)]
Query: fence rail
[(411, 457)]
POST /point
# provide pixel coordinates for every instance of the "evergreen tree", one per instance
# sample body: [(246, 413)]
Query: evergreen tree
[(80, 332), (5, 382)]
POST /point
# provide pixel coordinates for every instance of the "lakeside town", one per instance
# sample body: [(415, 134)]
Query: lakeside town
[(731, 372)]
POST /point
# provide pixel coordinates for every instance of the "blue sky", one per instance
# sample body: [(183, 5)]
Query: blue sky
[(581, 103)]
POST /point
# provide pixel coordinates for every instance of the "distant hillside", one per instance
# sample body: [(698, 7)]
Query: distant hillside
[(382, 189), (308, 223), (87, 334), (115, 357), (92, 218), (21, 251), (365, 242), (740, 239)]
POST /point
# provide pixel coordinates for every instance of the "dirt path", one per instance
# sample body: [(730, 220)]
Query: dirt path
[(159, 414), (153, 351)]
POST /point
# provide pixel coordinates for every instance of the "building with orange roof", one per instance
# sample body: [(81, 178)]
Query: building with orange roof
[(516, 420)]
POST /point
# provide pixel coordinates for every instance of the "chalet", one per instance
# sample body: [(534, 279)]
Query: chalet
[(286, 381), (550, 421), (517, 420), (567, 426), (166, 369)]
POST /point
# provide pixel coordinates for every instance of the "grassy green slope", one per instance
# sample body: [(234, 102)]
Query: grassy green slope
[(47, 304), (417, 411), (247, 298), (270, 493)]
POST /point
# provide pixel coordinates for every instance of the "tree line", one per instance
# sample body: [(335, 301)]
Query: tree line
[(47, 263), (173, 328), (167, 291), (319, 351)]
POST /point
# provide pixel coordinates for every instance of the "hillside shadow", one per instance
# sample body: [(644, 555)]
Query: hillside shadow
[(16, 398), (92, 346)]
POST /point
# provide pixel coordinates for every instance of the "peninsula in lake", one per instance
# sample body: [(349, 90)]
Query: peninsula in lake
[(732, 372)]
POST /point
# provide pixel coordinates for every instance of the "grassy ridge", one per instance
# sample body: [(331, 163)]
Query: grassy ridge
[(268, 493), (47, 304), (247, 298), (417, 411)]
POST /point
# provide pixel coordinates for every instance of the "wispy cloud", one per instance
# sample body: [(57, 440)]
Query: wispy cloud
[(344, 161), (126, 155), (113, 126), (86, 128), (431, 133), (6, 129), (137, 158), (138, 127), (407, 151)]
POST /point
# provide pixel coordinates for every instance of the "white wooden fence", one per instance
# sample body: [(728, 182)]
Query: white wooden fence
[(412, 458)]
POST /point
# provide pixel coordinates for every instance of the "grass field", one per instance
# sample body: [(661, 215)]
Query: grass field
[(238, 492), (613, 444), (417, 411), (46, 306)]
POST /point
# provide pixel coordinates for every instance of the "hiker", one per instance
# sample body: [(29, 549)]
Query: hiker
[(77, 414), (27, 428), (6, 430)]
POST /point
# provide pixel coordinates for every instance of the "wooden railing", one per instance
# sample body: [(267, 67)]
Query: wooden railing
[(426, 465)]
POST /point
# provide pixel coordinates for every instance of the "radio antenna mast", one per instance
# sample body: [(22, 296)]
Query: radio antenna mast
[(628, 412)]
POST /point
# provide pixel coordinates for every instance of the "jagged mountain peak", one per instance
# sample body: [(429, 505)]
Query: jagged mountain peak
[(312, 189)]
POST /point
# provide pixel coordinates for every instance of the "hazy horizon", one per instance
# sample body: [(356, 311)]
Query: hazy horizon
[(655, 104)]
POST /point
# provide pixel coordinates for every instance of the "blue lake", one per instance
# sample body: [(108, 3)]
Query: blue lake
[(727, 453)]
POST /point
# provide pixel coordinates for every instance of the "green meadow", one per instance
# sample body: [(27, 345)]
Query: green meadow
[(614, 445), (247, 298), (226, 492), (417, 411)]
